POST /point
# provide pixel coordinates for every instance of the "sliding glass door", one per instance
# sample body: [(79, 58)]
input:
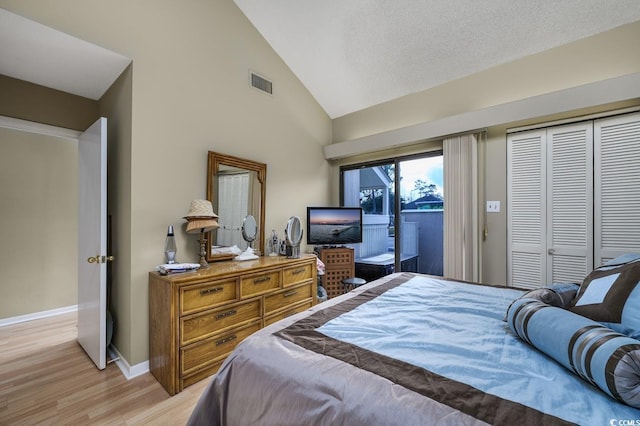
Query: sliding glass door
[(402, 204), (421, 214)]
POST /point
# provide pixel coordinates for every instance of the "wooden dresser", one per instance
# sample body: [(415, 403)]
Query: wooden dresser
[(197, 318)]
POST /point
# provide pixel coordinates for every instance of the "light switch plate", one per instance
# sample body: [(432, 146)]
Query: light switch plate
[(493, 206)]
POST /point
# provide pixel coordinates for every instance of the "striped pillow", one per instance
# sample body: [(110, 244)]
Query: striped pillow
[(556, 294), (597, 354)]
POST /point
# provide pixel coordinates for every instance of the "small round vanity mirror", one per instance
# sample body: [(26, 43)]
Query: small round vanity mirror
[(249, 229), (293, 233)]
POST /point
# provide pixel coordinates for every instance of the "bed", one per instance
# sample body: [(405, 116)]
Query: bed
[(410, 349)]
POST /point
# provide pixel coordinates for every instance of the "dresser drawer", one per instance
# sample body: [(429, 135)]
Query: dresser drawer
[(259, 283), (288, 312), (200, 374), (297, 274), (198, 326), (195, 298), (283, 298), (207, 353)]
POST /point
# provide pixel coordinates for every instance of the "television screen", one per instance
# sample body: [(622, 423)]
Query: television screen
[(334, 225)]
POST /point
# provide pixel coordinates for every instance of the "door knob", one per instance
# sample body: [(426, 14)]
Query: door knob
[(551, 251), (100, 259)]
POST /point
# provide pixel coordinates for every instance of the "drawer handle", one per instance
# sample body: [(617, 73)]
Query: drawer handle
[(226, 314), (290, 293), (299, 271), (210, 290), (262, 280), (226, 340)]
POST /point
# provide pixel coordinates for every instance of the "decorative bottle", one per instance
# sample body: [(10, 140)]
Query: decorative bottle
[(170, 246), (273, 243)]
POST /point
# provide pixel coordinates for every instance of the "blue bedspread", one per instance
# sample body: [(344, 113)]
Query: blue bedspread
[(457, 330)]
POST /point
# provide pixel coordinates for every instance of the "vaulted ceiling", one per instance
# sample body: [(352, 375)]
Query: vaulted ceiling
[(350, 54)]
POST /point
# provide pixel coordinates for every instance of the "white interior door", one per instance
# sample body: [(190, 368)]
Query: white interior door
[(569, 202), (550, 205), (617, 192), (92, 242), (527, 261)]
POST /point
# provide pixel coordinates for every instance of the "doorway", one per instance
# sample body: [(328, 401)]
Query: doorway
[(38, 171)]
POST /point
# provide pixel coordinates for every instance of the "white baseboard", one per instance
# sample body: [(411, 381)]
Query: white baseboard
[(129, 371), (38, 315)]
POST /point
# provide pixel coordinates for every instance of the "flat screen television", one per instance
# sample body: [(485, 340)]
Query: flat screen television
[(333, 226)]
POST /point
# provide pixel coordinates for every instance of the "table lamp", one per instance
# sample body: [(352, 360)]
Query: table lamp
[(201, 218)]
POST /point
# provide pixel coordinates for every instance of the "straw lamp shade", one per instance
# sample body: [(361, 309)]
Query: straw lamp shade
[(201, 225)]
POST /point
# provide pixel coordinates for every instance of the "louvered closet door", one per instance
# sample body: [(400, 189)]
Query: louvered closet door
[(569, 202), (617, 186), (527, 263)]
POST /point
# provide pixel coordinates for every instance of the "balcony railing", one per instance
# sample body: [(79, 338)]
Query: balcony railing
[(421, 234)]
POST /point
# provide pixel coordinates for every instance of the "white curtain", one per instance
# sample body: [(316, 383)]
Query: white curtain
[(460, 207), (234, 190)]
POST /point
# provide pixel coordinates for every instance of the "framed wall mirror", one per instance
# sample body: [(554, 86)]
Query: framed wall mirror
[(236, 187)]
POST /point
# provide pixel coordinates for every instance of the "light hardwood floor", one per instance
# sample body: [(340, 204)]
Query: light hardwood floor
[(46, 378)]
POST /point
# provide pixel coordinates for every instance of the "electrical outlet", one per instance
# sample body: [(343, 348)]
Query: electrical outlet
[(493, 206)]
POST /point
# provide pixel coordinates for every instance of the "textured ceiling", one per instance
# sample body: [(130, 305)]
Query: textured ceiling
[(353, 54)]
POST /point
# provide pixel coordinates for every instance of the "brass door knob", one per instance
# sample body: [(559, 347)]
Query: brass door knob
[(100, 259)]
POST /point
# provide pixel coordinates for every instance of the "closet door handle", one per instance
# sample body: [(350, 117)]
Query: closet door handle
[(551, 251)]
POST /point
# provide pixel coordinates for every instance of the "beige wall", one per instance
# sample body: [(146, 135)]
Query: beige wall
[(607, 55), (39, 104), (38, 217), (116, 106), (190, 94), (604, 56)]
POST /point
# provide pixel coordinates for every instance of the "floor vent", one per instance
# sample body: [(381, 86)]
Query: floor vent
[(261, 83)]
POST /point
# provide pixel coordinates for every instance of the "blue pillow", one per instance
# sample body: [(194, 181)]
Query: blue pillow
[(611, 295), (597, 354)]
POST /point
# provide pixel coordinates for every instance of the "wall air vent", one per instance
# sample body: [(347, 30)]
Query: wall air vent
[(261, 83)]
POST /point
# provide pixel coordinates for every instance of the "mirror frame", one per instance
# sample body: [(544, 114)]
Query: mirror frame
[(214, 161)]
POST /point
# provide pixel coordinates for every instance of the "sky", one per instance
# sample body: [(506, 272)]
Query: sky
[(428, 169), (334, 216)]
